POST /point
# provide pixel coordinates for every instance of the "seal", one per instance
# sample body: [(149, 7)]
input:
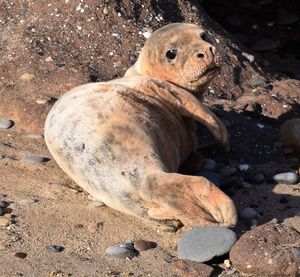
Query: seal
[(124, 141)]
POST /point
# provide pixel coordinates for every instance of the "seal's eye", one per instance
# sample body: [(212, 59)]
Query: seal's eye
[(204, 37), (171, 54)]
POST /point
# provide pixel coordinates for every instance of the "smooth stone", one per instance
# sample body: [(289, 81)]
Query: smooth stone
[(227, 171), (209, 165), (248, 213), (286, 177), (243, 167), (21, 255), (255, 179), (211, 176), (265, 44), (267, 250), (286, 18), (34, 159), (6, 124), (55, 248), (192, 269), (120, 252), (143, 245), (4, 204), (289, 133), (203, 244)]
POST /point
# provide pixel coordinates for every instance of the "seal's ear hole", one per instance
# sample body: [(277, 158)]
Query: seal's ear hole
[(171, 54)]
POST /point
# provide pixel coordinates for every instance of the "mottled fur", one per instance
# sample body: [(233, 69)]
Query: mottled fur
[(123, 141)]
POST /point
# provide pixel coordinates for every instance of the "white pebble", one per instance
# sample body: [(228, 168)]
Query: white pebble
[(6, 124), (260, 125), (243, 167)]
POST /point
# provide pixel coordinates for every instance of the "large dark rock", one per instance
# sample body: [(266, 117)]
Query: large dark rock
[(267, 250)]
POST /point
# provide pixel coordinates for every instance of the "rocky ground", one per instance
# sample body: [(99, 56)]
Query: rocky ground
[(48, 47)]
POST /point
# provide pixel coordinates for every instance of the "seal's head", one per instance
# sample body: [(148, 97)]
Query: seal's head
[(178, 53)]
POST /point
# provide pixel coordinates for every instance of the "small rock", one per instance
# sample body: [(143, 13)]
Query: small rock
[(27, 77), (6, 124), (258, 83), (227, 171), (286, 177), (78, 226), (28, 201), (227, 263), (256, 179), (4, 204), (4, 221), (96, 204), (202, 244), (143, 245), (250, 58), (192, 269), (34, 136), (285, 18), (248, 213), (34, 159), (55, 248), (21, 255), (289, 133), (121, 252), (243, 167), (128, 245), (211, 176), (265, 44), (260, 126), (209, 165), (267, 250), (41, 101)]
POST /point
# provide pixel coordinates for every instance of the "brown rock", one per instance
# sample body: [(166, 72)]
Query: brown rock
[(289, 133), (21, 255), (267, 250), (4, 221), (192, 269), (143, 245)]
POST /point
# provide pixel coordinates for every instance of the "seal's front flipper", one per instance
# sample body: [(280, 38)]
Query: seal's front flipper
[(193, 200)]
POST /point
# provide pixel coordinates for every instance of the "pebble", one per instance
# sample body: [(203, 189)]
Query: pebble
[(55, 248), (34, 136), (27, 77), (227, 171), (121, 252), (258, 83), (187, 268), (286, 177), (96, 204), (211, 176), (4, 204), (34, 159), (209, 165), (256, 179), (6, 124), (21, 255), (4, 221), (243, 167), (265, 44), (28, 201), (267, 250), (203, 244), (248, 213), (289, 133), (143, 245), (260, 126), (249, 57)]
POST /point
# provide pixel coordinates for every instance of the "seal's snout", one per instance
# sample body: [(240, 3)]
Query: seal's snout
[(209, 53)]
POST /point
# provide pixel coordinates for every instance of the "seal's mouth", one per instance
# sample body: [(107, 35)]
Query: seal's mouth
[(209, 72)]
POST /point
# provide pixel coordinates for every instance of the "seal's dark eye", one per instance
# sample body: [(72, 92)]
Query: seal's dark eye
[(204, 37), (171, 54)]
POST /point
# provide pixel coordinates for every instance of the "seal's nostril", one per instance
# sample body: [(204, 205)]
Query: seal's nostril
[(200, 55)]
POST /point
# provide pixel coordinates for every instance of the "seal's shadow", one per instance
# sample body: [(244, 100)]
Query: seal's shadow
[(258, 147)]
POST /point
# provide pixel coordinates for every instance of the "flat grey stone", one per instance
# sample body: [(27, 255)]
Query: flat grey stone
[(6, 124), (203, 244), (286, 177), (120, 252)]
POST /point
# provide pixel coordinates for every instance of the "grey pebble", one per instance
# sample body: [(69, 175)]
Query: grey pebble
[(258, 83), (55, 248), (209, 165), (6, 124), (4, 204), (121, 252), (211, 176), (203, 244), (248, 213), (243, 167), (286, 177), (256, 179), (34, 159)]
